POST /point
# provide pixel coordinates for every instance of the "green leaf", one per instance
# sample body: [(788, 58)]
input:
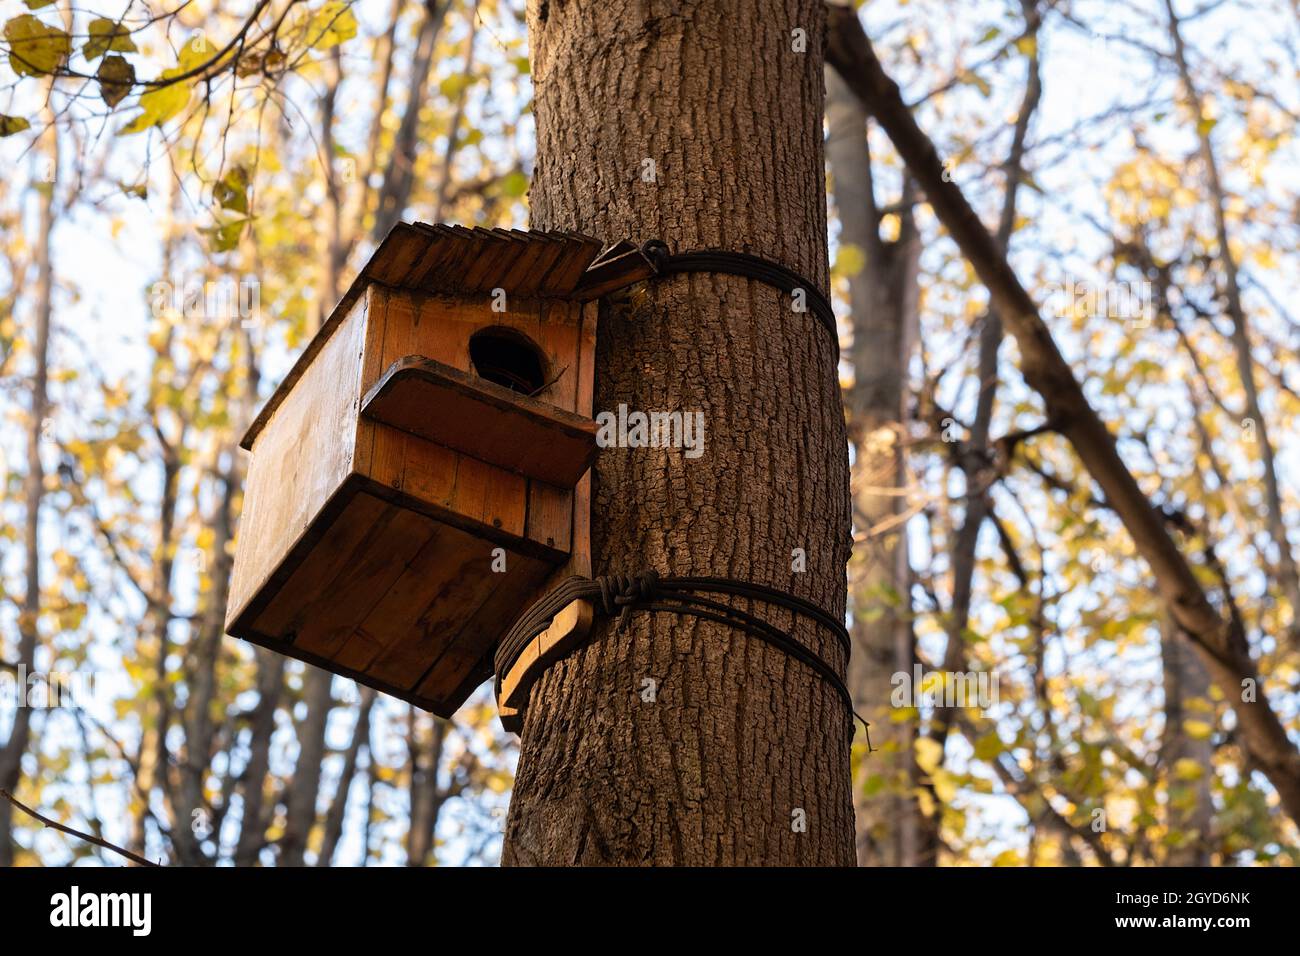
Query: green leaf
[(988, 746), (116, 77), (12, 124), (224, 236), (106, 35), (232, 191), (37, 4), (454, 85), (514, 184), (35, 48)]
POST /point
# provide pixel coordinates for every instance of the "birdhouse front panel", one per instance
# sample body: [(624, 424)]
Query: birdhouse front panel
[(419, 474)]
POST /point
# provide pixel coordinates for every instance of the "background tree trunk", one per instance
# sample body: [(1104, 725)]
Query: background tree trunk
[(11, 754), (715, 105), (882, 302), (1191, 803)]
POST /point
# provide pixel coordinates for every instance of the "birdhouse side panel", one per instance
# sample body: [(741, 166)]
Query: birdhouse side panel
[(299, 459)]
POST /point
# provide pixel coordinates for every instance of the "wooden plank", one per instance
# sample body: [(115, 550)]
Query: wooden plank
[(300, 459), (377, 301), (425, 641), (550, 515), (611, 274), (552, 252), (375, 566), (480, 634), (490, 495), (516, 275), (400, 250), (364, 517), (557, 334), (428, 471), (589, 315), (441, 588), (570, 269), (541, 440), (487, 251), (569, 627)]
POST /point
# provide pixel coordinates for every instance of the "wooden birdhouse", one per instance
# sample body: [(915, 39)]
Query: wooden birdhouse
[(419, 474)]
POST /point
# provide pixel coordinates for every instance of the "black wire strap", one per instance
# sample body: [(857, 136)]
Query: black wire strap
[(647, 591), (668, 263)]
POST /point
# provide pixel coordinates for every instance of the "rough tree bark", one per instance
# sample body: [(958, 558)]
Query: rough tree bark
[(699, 123)]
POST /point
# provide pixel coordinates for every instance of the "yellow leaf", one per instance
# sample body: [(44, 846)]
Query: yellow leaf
[(35, 48), (329, 26), (928, 754), (106, 36), (850, 260), (945, 788), (158, 105)]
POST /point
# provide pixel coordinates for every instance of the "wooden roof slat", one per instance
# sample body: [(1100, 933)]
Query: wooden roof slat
[(566, 274), (552, 251), (397, 254)]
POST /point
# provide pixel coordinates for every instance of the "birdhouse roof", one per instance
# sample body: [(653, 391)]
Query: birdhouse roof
[(451, 260)]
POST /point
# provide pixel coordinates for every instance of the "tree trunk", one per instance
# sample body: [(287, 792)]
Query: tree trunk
[(304, 788), (1187, 697), (678, 741), (11, 754), (1221, 645), (882, 297)]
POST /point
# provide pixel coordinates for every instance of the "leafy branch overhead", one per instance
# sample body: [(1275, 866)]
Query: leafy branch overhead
[(274, 39)]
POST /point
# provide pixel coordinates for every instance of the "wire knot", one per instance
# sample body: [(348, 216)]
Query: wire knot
[(619, 593), (657, 251)]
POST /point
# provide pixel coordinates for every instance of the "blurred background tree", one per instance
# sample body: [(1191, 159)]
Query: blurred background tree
[(189, 188)]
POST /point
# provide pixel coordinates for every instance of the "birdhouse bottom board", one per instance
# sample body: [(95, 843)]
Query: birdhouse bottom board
[(383, 593), (372, 550)]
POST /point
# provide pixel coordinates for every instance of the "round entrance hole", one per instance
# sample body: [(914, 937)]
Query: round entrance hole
[(509, 358)]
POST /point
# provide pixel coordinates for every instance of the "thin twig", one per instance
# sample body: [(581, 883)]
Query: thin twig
[(76, 833)]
